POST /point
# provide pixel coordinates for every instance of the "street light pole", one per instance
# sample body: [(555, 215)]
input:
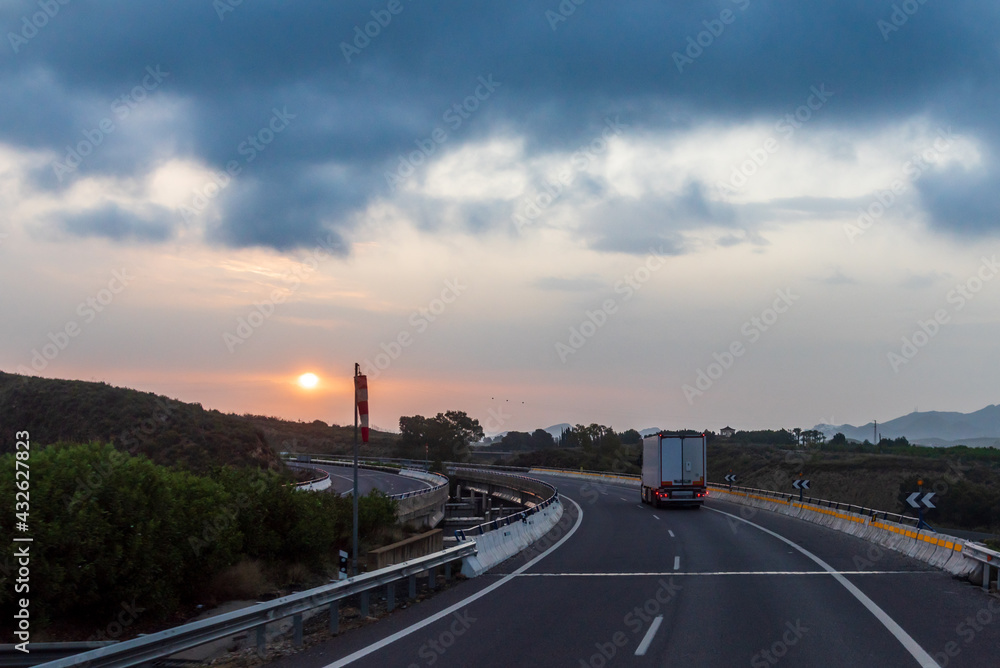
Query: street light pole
[(354, 560)]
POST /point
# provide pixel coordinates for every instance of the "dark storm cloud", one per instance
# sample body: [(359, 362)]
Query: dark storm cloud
[(968, 204), (112, 222), (560, 80)]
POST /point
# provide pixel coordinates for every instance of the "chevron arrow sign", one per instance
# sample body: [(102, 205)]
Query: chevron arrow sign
[(920, 498)]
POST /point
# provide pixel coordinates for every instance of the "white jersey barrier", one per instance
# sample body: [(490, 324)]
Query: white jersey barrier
[(498, 545), (955, 555), (502, 538)]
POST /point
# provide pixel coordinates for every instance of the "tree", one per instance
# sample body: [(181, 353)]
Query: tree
[(542, 440), (630, 437), (838, 439), (446, 435), (813, 436)]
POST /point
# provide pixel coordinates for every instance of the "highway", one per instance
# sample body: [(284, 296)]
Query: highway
[(342, 480), (619, 583)]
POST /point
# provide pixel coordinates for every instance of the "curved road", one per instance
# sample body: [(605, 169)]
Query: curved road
[(619, 583), (342, 479)]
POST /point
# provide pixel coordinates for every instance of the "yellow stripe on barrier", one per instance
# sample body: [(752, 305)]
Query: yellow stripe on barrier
[(957, 547)]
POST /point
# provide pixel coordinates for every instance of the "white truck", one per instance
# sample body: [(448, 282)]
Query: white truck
[(673, 468)]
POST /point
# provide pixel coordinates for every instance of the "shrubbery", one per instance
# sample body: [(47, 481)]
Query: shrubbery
[(110, 528)]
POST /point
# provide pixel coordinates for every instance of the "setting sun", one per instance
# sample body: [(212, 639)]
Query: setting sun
[(308, 380)]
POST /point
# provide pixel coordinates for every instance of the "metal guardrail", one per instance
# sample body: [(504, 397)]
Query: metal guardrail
[(990, 559), (618, 474), (403, 462), (836, 505), (334, 460), (784, 496), (46, 651), (306, 467), (981, 553), (166, 643), (313, 459), (420, 492), (519, 516)]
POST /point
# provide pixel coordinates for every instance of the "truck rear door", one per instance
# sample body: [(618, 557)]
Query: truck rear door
[(694, 460), (671, 460)]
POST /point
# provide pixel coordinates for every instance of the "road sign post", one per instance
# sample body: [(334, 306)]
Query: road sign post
[(731, 478), (800, 485), (354, 524), (920, 500)]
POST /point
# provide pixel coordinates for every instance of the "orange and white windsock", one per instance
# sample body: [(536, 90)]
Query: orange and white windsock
[(361, 399)]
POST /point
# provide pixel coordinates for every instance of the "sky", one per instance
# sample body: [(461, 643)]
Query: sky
[(752, 213)]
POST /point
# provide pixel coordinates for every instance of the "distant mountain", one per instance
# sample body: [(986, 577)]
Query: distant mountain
[(557, 429), (939, 428), (649, 431)]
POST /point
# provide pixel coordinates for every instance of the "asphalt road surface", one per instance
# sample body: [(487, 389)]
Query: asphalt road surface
[(620, 583), (342, 480)]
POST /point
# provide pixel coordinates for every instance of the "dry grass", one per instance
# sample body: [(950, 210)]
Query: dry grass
[(242, 581)]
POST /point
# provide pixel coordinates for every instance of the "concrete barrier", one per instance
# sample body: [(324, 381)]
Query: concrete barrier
[(501, 539), (405, 550), (433, 478), (498, 545), (426, 508), (318, 483), (630, 481), (939, 550)]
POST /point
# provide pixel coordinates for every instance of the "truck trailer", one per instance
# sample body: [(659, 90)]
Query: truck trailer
[(673, 469)]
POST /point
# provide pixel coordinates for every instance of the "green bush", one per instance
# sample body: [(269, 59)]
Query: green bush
[(110, 528)]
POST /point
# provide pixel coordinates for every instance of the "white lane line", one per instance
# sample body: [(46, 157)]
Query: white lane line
[(715, 573), (911, 645), (677, 563), (656, 517), (623, 498), (351, 658), (671, 533), (648, 638)]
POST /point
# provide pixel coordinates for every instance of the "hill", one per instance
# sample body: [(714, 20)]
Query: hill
[(930, 427), (165, 430), (319, 438)]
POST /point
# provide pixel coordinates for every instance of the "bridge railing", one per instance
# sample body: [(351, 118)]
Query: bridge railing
[(540, 489), (296, 460), (167, 643), (438, 480), (320, 482)]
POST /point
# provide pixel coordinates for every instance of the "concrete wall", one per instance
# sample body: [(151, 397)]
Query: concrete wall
[(497, 545), (503, 543), (936, 549), (319, 483), (933, 548), (411, 548)]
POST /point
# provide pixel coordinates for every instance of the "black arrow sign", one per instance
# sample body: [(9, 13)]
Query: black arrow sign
[(801, 484), (730, 478)]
